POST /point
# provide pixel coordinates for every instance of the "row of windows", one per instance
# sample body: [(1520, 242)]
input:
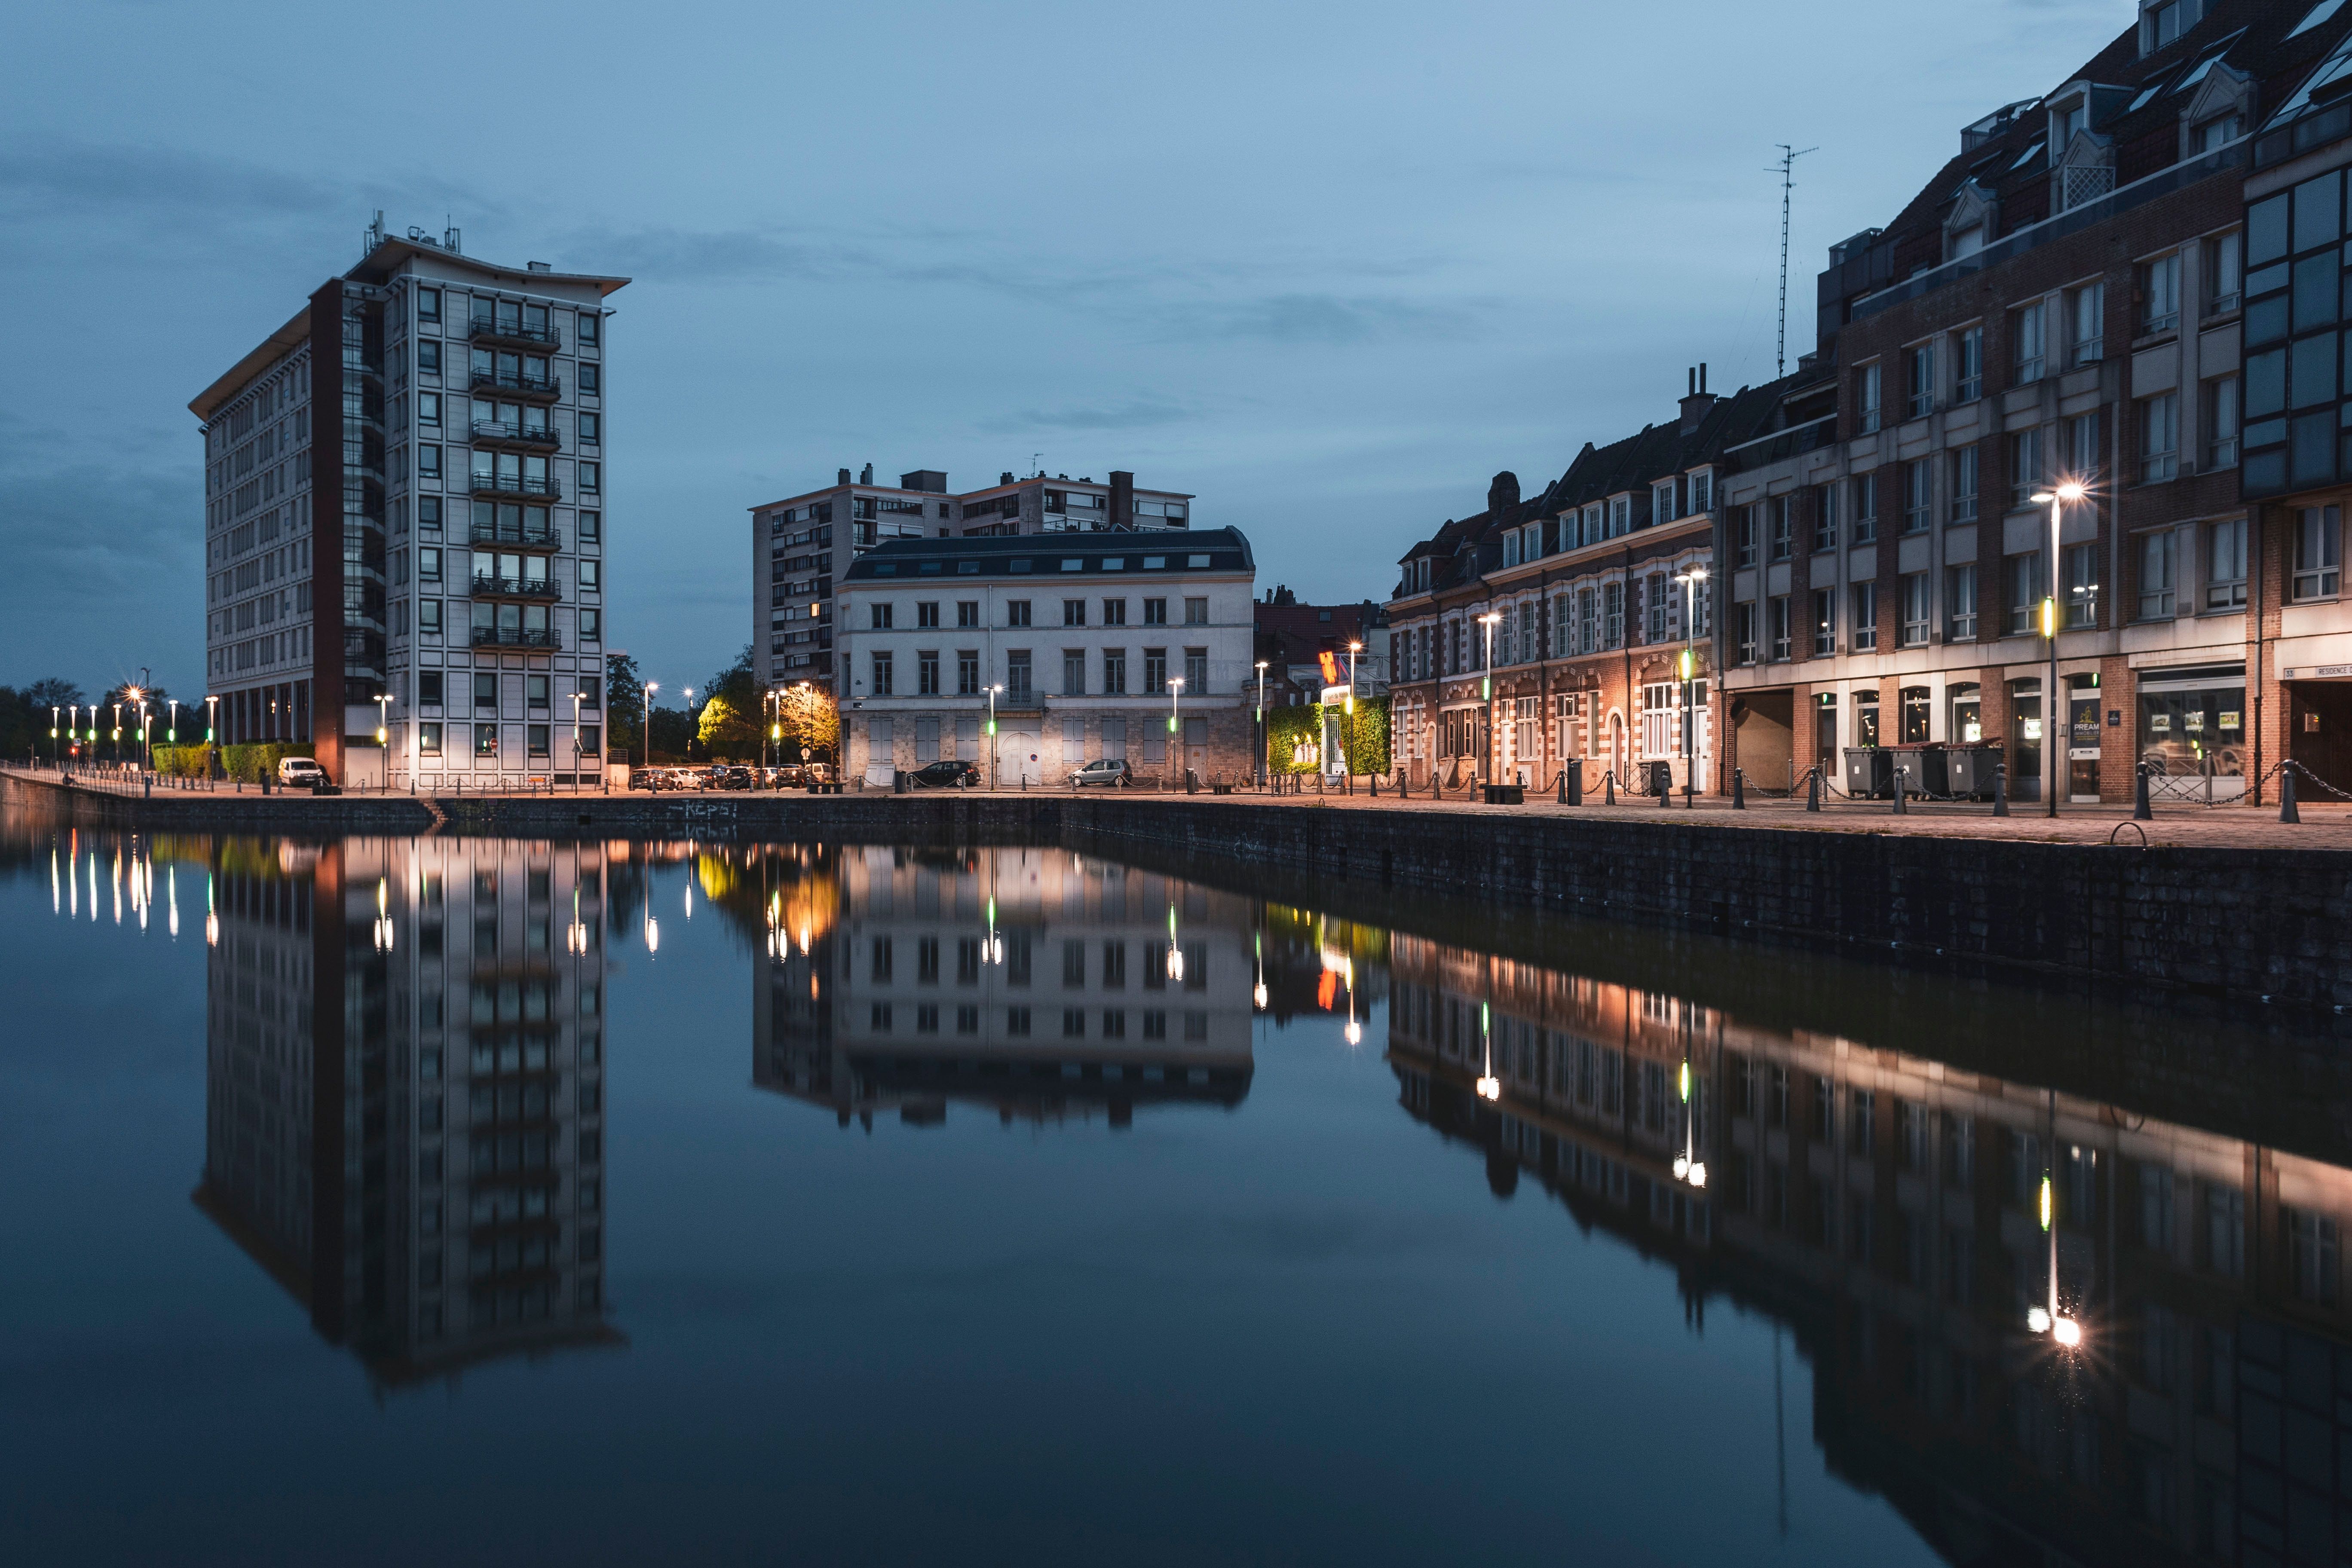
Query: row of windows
[(434, 738), (432, 684), (512, 421), (1020, 675), (882, 1019), (1589, 619), (882, 614)]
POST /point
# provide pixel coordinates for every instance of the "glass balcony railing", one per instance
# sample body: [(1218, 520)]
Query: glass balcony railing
[(522, 535), (517, 383), (516, 485), (489, 588), (485, 330), (495, 433), (516, 637)]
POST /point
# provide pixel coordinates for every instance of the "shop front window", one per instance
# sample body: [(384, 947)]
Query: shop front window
[(2025, 740), (1967, 699), (2191, 728), (1915, 715), (1865, 718)]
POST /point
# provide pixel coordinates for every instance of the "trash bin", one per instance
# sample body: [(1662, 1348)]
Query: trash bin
[(1661, 778), (1869, 773), (1192, 781), (900, 783), (1910, 762), (1968, 771)]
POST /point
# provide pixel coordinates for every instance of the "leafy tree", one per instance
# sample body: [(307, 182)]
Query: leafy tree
[(809, 719), (727, 730), (624, 705), (736, 683), (672, 728), (53, 692)]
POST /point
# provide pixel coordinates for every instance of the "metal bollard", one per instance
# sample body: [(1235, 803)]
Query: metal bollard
[(2287, 812), (2000, 789), (2140, 812), (1667, 796), (1740, 789), (1813, 789), (1562, 799), (1608, 781), (1902, 793)]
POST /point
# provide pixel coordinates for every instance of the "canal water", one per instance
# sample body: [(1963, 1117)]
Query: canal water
[(478, 1200)]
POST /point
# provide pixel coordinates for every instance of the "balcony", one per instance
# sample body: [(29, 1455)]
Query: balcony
[(488, 587), (522, 538), (483, 330), (516, 485), (515, 636), (518, 385), (492, 433)]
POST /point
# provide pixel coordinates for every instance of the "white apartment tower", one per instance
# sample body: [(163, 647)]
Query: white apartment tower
[(404, 522)]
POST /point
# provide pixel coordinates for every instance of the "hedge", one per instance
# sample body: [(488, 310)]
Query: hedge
[(183, 761), (1289, 729), (252, 762)]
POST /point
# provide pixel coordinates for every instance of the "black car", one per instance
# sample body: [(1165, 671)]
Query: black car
[(946, 776)]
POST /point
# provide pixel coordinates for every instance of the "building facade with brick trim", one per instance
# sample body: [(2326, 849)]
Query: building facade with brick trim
[(2066, 299)]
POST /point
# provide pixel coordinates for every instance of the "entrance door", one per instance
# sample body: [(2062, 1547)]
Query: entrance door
[(1196, 745), (2319, 718), (1018, 747), (1825, 733), (2024, 740)]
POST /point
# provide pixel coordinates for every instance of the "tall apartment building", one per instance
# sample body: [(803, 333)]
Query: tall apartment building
[(404, 522), (1548, 631), (1082, 646), (404, 1094), (802, 546)]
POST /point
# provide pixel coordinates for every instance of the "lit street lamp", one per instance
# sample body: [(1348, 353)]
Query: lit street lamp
[(2051, 705), (1261, 737), (1690, 580), (685, 695), (1175, 691), (1347, 725), (651, 687), (995, 779), (1487, 696)]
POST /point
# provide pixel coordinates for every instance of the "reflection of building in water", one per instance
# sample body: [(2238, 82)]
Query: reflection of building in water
[(1039, 982), (1890, 1208), (405, 1078)]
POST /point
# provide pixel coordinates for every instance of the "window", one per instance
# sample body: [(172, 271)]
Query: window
[(486, 693), (1784, 526), (1919, 375), (1016, 613), (927, 673), (1114, 612), (1662, 503), (1196, 671), (589, 322), (2025, 461), (592, 527), (1018, 689), (2159, 294), (1155, 612), (1074, 672), (1867, 396), (591, 576), (535, 740), (2224, 279), (428, 408), (428, 739), (2024, 579), (2156, 576), (1824, 621), (1155, 672), (2225, 565), (1776, 620), (1866, 508), (881, 684), (2080, 565), (428, 565), (486, 740), (2025, 336), (2086, 313), (1743, 631), (1702, 491), (429, 462), (592, 626), (2312, 1248), (1917, 613), (968, 612), (967, 672), (428, 358), (1964, 485), (2159, 438), (428, 304), (927, 616), (1866, 616), (589, 425), (1960, 604), (591, 379), (428, 618), (1969, 368), (1196, 612), (2319, 552), (2222, 423), (1919, 490), (881, 617), (1825, 517), (1747, 532), (587, 477), (1073, 612)]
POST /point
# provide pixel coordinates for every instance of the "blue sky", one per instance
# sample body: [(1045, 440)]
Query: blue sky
[(1328, 267)]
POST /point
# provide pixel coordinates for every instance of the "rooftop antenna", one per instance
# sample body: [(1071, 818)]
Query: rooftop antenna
[(1785, 168), (1037, 461)]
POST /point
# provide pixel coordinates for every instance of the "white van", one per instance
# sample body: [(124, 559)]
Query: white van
[(301, 772)]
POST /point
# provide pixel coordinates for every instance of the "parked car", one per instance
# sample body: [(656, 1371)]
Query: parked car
[(946, 773), (792, 775), (1105, 770), (302, 772), (734, 776)]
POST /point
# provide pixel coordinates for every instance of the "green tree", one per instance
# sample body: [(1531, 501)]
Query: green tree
[(727, 730), (624, 705), (809, 721)]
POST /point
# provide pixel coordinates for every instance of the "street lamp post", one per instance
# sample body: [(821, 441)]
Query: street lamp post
[(1347, 723), (651, 687), (115, 733), (1262, 740), (577, 697), (171, 735), (994, 773), (2051, 705), (686, 696), (1690, 580), (1487, 696), (1175, 728), (383, 735), (54, 754)]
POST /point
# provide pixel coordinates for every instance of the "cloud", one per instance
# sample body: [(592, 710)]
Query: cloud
[(106, 573), (1134, 413), (1325, 318)]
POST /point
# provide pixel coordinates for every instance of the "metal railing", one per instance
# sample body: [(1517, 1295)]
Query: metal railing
[(526, 537), (486, 329), (489, 586), (498, 433), (515, 485), (528, 385), (514, 637)]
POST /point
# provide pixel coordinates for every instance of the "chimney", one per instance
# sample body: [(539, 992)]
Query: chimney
[(1122, 500), (1699, 400), (865, 475), (540, 265), (1503, 495), (1005, 478), (845, 478)]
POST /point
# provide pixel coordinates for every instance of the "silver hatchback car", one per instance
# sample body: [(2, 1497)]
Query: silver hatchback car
[(1105, 770)]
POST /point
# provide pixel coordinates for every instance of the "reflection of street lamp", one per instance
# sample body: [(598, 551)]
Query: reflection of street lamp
[(1175, 963), (1257, 947), (383, 916), (2068, 491), (1688, 1166), (2048, 1319), (1489, 1085), (1487, 693)]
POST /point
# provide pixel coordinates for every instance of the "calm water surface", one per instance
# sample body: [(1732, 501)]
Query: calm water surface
[(472, 1200)]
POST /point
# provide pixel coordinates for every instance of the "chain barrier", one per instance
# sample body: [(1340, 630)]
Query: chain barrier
[(2305, 774)]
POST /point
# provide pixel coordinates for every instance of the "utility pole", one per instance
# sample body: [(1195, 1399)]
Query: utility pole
[(1786, 168)]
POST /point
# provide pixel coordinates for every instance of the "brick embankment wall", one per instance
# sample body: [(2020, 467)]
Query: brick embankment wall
[(2238, 922), (208, 811)]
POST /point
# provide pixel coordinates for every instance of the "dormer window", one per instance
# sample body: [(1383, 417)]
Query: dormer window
[(2161, 24), (2217, 133), (2069, 119), (1968, 241), (1511, 548), (1662, 503), (1702, 490)]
